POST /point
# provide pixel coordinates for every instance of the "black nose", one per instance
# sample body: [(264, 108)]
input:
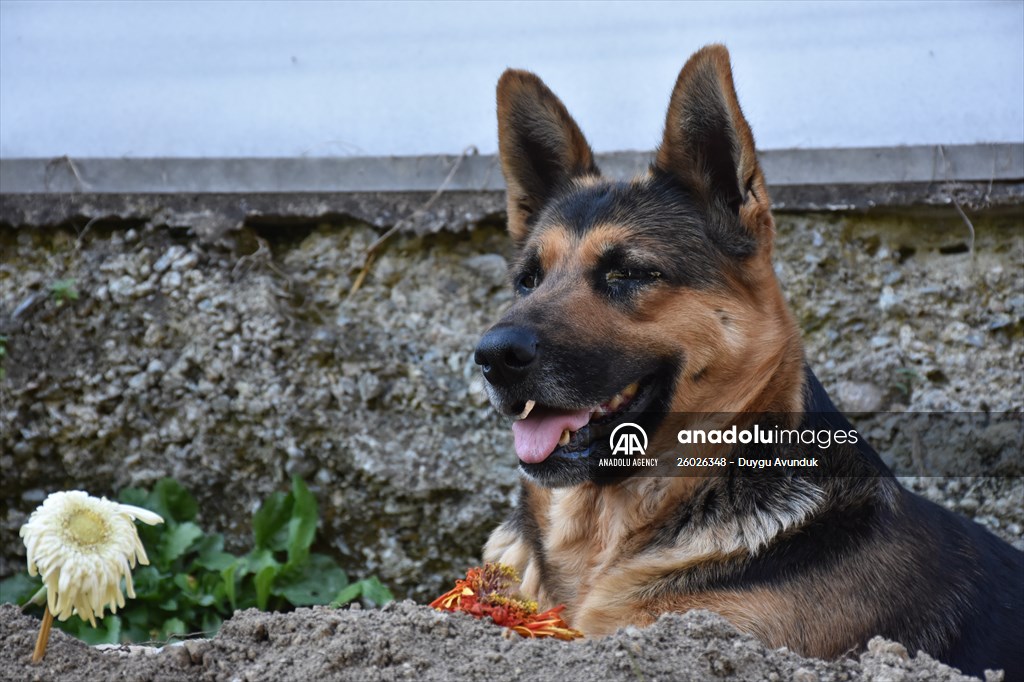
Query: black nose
[(506, 354)]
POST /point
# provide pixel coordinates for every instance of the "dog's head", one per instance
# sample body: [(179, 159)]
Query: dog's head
[(633, 298)]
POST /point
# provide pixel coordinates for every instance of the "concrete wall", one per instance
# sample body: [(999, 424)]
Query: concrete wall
[(234, 79)]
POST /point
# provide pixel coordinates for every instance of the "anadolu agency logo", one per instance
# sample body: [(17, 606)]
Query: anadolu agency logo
[(628, 440)]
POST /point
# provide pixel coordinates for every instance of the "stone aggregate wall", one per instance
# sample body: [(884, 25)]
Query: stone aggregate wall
[(135, 351)]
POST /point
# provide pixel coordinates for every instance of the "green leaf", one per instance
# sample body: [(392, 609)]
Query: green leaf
[(177, 540), (64, 289), (185, 583), (134, 496), (171, 627), (171, 501), (375, 591), (270, 522), (264, 580), (228, 575), (217, 561), (19, 588), (256, 560), (370, 589), (211, 624), (196, 591), (318, 581), (169, 604), (137, 631), (212, 556), (302, 525), (107, 630), (148, 582), (210, 542), (205, 599), (348, 594)]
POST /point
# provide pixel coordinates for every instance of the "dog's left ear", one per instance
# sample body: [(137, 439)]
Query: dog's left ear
[(708, 146)]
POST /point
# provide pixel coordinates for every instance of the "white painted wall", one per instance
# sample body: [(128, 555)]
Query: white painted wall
[(323, 79)]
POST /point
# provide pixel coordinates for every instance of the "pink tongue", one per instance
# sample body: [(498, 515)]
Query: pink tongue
[(537, 436)]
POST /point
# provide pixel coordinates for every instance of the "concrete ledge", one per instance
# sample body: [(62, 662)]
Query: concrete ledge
[(211, 216), (213, 196), (475, 173)]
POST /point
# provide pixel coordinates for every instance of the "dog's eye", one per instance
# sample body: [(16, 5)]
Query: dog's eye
[(631, 276), (527, 282)]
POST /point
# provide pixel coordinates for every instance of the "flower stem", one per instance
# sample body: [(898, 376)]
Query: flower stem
[(43, 638)]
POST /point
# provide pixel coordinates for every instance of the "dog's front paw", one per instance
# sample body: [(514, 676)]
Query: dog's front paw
[(506, 546)]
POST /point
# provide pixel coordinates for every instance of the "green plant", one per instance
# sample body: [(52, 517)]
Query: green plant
[(905, 379), (63, 290), (192, 584)]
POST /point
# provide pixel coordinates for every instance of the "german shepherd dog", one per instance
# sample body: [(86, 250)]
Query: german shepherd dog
[(639, 299)]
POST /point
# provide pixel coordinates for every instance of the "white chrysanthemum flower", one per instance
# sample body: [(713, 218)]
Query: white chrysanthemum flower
[(82, 546)]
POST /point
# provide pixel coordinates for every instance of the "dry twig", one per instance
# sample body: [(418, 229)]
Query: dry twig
[(371, 251), (947, 166)]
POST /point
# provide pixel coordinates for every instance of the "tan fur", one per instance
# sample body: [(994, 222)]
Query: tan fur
[(600, 238), (554, 247), (598, 560), (602, 571)]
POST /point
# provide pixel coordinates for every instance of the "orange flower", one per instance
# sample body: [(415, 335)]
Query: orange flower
[(490, 591)]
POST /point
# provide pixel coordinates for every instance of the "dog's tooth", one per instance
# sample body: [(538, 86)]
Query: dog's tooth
[(564, 440), (526, 410), (630, 391), (614, 403)]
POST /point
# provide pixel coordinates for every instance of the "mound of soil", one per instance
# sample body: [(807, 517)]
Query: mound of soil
[(406, 641)]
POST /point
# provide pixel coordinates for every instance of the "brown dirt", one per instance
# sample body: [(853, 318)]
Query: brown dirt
[(406, 641)]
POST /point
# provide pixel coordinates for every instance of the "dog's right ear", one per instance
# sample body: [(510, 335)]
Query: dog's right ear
[(708, 147), (540, 145)]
